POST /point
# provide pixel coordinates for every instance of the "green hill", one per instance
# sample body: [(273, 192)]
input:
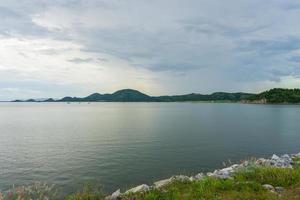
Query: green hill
[(276, 95)]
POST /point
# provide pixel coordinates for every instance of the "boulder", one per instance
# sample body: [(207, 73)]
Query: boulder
[(269, 187), (246, 164), (209, 174), (221, 174), (284, 161), (225, 173), (199, 177), (115, 195), (140, 188), (279, 189), (274, 157), (262, 162), (162, 183), (180, 178)]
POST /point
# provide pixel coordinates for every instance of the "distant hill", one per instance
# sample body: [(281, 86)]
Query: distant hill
[(276, 95), (126, 95), (130, 95), (218, 96)]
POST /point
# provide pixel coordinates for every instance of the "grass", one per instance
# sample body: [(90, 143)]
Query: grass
[(88, 193), (246, 185), (35, 191), (296, 162), (243, 188), (271, 175)]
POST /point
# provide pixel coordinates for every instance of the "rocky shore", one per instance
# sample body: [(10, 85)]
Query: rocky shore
[(283, 161)]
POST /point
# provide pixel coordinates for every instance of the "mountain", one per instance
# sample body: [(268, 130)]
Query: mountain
[(218, 96), (49, 100), (30, 100), (276, 95), (69, 99), (94, 97), (35, 100), (130, 95)]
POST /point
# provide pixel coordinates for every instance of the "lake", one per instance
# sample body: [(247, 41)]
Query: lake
[(118, 145)]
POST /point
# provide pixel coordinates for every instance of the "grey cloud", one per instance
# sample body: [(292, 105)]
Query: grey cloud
[(6, 13), (102, 59), (244, 40), (81, 60), (295, 59), (18, 23), (272, 46), (211, 27)]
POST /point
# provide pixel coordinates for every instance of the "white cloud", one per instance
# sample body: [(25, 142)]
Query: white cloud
[(156, 46)]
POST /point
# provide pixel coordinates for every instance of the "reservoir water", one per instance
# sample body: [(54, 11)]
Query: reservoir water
[(118, 145)]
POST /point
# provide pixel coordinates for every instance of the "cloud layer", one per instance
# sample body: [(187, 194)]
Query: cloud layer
[(157, 46)]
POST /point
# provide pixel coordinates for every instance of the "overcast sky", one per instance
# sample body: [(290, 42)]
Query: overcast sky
[(55, 48)]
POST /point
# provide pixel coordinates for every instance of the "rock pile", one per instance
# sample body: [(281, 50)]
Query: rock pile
[(284, 161)]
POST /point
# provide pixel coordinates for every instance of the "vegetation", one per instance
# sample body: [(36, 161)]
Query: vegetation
[(37, 190), (88, 193), (218, 96), (278, 95), (247, 184), (129, 95)]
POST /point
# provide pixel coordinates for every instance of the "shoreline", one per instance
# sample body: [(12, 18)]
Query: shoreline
[(275, 176), (92, 102), (285, 161)]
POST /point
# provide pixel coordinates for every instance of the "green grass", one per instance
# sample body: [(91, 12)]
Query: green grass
[(270, 175), (296, 162), (88, 193), (246, 185)]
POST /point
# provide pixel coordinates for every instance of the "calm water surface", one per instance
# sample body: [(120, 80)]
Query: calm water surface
[(125, 144)]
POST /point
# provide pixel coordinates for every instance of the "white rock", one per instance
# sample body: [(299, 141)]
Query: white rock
[(140, 188), (284, 161), (275, 157), (199, 177), (222, 174), (269, 187), (162, 183), (261, 161), (279, 189), (235, 166), (245, 164), (225, 173), (115, 195), (181, 178), (209, 174), (286, 156)]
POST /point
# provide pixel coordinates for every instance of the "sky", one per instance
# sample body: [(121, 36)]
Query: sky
[(56, 48)]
